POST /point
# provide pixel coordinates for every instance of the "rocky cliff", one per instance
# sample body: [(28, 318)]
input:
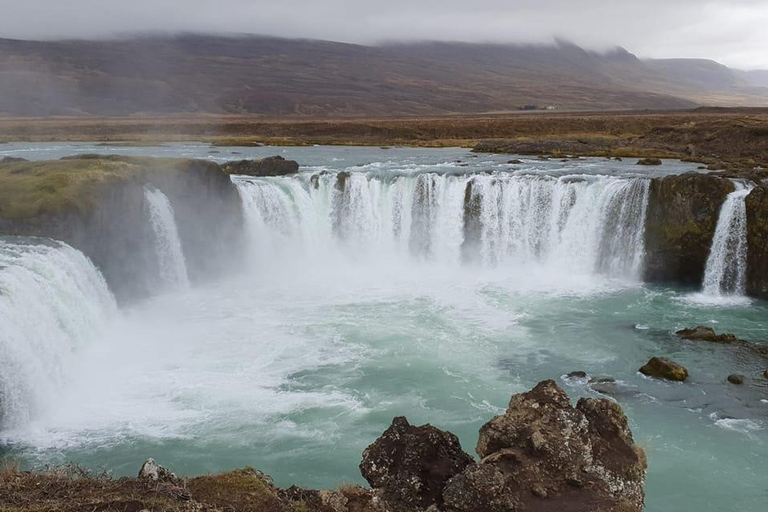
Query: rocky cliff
[(97, 205), (681, 221), (757, 241)]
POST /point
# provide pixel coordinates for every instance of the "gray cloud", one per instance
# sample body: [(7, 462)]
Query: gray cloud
[(730, 31)]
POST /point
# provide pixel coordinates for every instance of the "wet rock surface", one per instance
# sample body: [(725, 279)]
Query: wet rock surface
[(663, 368), (270, 166), (649, 161), (702, 333), (736, 379), (757, 241), (681, 221)]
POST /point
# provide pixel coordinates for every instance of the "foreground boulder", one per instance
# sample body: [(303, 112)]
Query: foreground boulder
[(681, 221), (545, 454), (410, 465), (663, 368), (270, 166)]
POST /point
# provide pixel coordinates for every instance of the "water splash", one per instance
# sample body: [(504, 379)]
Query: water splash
[(173, 267), (592, 224), (726, 268), (52, 302)]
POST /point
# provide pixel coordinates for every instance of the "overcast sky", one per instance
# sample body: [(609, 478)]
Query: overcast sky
[(734, 32)]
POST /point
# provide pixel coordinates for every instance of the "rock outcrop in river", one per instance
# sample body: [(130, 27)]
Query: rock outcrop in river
[(270, 166), (681, 221)]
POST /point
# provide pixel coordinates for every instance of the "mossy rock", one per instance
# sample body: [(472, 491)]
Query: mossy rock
[(663, 368)]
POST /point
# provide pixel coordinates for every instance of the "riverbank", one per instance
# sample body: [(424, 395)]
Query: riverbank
[(733, 139)]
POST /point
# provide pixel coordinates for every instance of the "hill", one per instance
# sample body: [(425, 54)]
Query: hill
[(275, 77)]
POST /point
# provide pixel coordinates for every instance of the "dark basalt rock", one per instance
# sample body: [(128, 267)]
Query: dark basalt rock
[(577, 375), (270, 166), (765, 374), (736, 379), (662, 368), (410, 465), (757, 241), (544, 454), (516, 161), (649, 161), (12, 160), (681, 220), (702, 333)]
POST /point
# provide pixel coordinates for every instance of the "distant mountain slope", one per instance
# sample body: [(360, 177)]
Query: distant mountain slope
[(757, 78), (302, 78)]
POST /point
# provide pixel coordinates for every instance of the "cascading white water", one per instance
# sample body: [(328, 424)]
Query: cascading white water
[(580, 223), (726, 269), (173, 268), (52, 301)]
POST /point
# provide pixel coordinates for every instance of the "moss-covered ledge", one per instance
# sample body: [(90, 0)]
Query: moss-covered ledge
[(96, 204)]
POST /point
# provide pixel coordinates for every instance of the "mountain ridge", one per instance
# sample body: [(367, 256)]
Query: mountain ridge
[(274, 77)]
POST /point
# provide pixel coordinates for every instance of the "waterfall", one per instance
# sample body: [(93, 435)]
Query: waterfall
[(726, 269), (52, 301), (173, 268), (591, 224)]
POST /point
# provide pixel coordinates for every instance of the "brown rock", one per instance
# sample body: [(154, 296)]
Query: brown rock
[(270, 166), (736, 379), (542, 448), (410, 465), (663, 368), (649, 161), (702, 333)]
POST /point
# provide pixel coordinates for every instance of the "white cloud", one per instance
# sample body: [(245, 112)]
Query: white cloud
[(730, 31)]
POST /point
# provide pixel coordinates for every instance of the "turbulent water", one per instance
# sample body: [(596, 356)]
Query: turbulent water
[(726, 269), (583, 223), (52, 302), (406, 291), (173, 268)]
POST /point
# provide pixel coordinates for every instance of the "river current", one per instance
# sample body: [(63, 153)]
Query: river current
[(356, 308)]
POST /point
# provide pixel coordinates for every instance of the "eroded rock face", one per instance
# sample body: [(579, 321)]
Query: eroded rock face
[(410, 465), (270, 166), (757, 241), (681, 221), (545, 454)]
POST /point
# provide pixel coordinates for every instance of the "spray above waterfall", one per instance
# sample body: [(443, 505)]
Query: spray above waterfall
[(590, 224), (173, 268), (726, 268)]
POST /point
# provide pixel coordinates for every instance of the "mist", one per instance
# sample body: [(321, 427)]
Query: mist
[(731, 32)]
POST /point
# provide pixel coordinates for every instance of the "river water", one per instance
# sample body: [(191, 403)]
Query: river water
[(357, 306)]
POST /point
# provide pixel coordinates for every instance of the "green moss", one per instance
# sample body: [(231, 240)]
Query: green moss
[(34, 190), (243, 490)]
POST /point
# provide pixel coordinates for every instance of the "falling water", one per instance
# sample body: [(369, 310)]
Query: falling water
[(726, 268), (173, 268), (580, 223), (52, 301)]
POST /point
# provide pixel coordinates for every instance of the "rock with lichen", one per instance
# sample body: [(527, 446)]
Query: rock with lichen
[(545, 454)]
